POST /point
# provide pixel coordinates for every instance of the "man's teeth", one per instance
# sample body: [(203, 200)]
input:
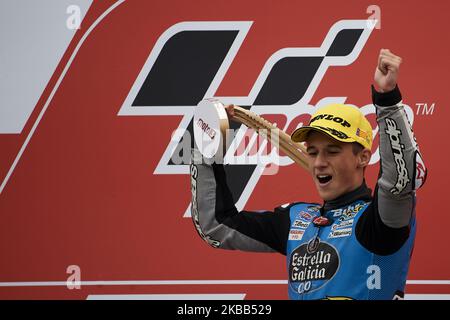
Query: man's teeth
[(324, 178)]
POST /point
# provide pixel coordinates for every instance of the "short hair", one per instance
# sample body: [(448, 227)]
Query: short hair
[(357, 148)]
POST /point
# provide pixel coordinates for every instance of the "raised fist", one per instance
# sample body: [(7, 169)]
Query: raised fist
[(387, 70)]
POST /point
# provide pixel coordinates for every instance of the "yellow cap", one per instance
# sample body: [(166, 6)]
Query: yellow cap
[(341, 122)]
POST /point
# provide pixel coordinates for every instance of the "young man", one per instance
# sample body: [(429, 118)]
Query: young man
[(356, 245)]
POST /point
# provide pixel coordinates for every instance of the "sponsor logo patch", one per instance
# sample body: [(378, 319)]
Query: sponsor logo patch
[(300, 224), (421, 172), (343, 224), (206, 128), (321, 221), (348, 212), (334, 132), (330, 117), (314, 209), (305, 216), (296, 234), (310, 270), (397, 152), (339, 233)]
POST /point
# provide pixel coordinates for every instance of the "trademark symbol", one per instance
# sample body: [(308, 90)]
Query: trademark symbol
[(425, 109)]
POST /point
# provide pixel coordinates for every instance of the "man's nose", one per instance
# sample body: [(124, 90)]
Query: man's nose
[(320, 161)]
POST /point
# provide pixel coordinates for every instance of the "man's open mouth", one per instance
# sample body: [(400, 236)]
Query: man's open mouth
[(324, 178)]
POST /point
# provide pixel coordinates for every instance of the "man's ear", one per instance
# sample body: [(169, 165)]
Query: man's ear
[(364, 158)]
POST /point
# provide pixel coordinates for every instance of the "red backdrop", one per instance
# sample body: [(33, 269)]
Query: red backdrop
[(85, 192)]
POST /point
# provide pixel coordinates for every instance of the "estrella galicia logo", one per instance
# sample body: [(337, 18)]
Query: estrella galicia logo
[(189, 61), (310, 270)]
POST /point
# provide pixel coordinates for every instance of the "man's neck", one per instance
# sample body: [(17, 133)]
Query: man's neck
[(360, 193)]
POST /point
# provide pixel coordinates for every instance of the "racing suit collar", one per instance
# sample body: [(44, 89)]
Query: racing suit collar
[(360, 193)]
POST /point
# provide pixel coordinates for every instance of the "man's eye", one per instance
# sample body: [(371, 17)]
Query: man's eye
[(312, 154)]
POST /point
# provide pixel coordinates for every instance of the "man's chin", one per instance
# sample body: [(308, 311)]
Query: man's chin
[(326, 195)]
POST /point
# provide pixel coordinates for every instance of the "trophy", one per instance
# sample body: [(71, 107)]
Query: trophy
[(211, 124)]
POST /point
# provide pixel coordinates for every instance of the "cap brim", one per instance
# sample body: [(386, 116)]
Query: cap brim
[(301, 134)]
